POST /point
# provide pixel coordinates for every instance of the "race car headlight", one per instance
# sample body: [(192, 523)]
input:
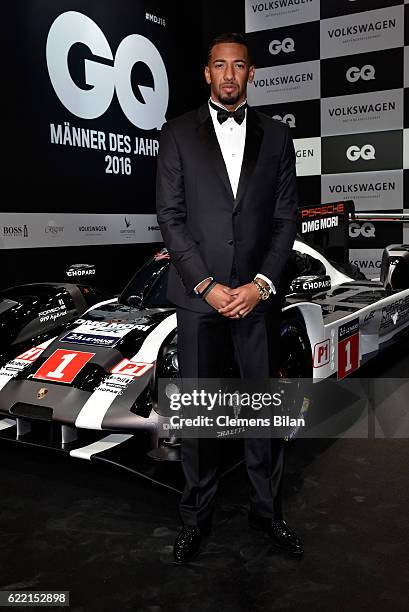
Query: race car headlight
[(89, 377), (169, 367), (175, 361), (171, 389)]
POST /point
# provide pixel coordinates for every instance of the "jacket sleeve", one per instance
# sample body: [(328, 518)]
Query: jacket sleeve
[(285, 217), (171, 212)]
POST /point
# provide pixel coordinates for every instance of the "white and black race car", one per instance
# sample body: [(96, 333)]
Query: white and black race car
[(90, 388)]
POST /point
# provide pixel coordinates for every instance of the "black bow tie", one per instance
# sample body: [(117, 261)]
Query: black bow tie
[(223, 114)]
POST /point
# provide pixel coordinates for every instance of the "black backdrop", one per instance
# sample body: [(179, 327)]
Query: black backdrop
[(37, 177)]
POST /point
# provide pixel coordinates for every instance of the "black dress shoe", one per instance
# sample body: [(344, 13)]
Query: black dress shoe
[(187, 544), (282, 536)]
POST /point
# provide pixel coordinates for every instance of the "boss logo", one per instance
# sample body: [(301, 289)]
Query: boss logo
[(367, 152), (102, 80), (366, 230), (289, 119), (286, 46), (366, 73)]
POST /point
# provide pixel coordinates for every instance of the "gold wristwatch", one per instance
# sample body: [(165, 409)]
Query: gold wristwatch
[(265, 292)]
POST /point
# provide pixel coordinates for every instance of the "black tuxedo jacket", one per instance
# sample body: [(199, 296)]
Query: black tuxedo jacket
[(203, 226)]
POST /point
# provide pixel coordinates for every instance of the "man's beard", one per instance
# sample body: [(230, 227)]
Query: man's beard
[(229, 100)]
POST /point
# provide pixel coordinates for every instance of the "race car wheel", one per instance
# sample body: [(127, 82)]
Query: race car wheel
[(295, 351)]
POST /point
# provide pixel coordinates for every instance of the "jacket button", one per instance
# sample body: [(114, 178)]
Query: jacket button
[(230, 242)]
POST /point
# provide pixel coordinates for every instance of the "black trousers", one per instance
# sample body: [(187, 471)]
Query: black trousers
[(203, 339)]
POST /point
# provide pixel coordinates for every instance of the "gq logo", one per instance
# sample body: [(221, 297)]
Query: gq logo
[(366, 153), (289, 119), (367, 230), (287, 46), (103, 80), (366, 73)]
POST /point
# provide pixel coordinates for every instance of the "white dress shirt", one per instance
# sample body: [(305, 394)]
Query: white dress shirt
[(232, 138)]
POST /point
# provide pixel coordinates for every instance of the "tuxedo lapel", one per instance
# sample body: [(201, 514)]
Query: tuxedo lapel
[(208, 137), (254, 137)]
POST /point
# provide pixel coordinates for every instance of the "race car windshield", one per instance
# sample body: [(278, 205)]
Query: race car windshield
[(147, 289)]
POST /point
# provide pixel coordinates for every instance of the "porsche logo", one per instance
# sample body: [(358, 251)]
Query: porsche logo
[(42, 393)]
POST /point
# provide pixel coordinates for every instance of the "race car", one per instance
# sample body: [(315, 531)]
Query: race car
[(90, 389)]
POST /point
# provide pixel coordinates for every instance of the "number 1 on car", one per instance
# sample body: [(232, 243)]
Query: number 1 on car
[(63, 366)]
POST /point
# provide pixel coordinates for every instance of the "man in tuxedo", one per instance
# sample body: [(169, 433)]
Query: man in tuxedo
[(227, 210)]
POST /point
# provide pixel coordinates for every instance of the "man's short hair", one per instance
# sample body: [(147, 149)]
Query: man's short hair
[(228, 37)]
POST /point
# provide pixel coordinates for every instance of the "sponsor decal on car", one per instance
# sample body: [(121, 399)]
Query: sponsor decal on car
[(114, 383), (318, 224), (13, 367), (81, 272), (122, 375), (52, 314), (91, 339), (324, 283), (22, 361), (348, 348), (131, 368), (321, 353), (63, 366), (369, 316), (395, 314), (321, 217), (308, 284), (31, 354), (100, 333)]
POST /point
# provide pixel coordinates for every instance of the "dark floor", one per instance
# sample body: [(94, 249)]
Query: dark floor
[(107, 536)]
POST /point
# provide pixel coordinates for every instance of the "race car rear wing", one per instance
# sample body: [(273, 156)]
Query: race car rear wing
[(325, 227), (392, 217)]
